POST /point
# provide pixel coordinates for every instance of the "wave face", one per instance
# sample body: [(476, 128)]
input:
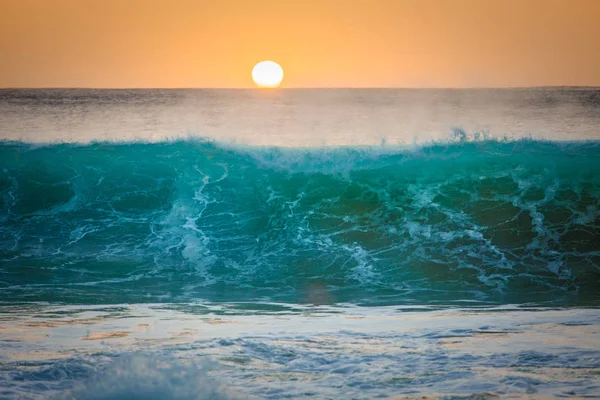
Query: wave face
[(483, 221)]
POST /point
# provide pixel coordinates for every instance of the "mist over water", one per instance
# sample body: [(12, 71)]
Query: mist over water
[(298, 117), (299, 243)]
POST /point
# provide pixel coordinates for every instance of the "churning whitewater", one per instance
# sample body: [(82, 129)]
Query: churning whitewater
[(489, 221)]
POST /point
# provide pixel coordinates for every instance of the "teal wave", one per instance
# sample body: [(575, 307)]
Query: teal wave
[(483, 221)]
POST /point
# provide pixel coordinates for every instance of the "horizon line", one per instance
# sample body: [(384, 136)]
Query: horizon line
[(302, 88)]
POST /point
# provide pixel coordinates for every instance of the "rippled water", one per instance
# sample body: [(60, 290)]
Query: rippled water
[(273, 351)]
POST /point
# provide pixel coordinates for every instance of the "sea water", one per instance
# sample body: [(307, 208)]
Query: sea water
[(322, 243)]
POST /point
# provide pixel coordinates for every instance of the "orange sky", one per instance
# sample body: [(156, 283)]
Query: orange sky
[(330, 43)]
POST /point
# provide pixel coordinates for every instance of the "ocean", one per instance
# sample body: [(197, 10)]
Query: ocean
[(299, 243)]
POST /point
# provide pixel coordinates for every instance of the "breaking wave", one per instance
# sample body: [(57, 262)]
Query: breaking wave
[(483, 221)]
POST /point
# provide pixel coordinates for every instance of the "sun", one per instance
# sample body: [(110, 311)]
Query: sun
[(267, 74)]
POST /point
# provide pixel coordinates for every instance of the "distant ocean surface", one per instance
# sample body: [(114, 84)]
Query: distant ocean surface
[(322, 243)]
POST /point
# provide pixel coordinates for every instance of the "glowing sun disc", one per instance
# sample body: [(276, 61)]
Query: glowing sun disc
[(267, 74)]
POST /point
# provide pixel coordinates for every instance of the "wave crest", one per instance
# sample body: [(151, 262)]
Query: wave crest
[(486, 220)]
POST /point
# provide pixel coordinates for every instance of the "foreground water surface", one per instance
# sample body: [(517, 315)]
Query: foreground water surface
[(208, 351)]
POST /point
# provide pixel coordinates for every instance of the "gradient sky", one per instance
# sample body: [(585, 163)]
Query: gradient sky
[(319, 43)]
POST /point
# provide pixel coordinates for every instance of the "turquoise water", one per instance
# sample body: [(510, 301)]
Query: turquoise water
[(485, 221), (323, 244)]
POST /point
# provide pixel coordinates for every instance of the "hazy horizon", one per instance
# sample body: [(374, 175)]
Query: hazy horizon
[(306, 88)]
